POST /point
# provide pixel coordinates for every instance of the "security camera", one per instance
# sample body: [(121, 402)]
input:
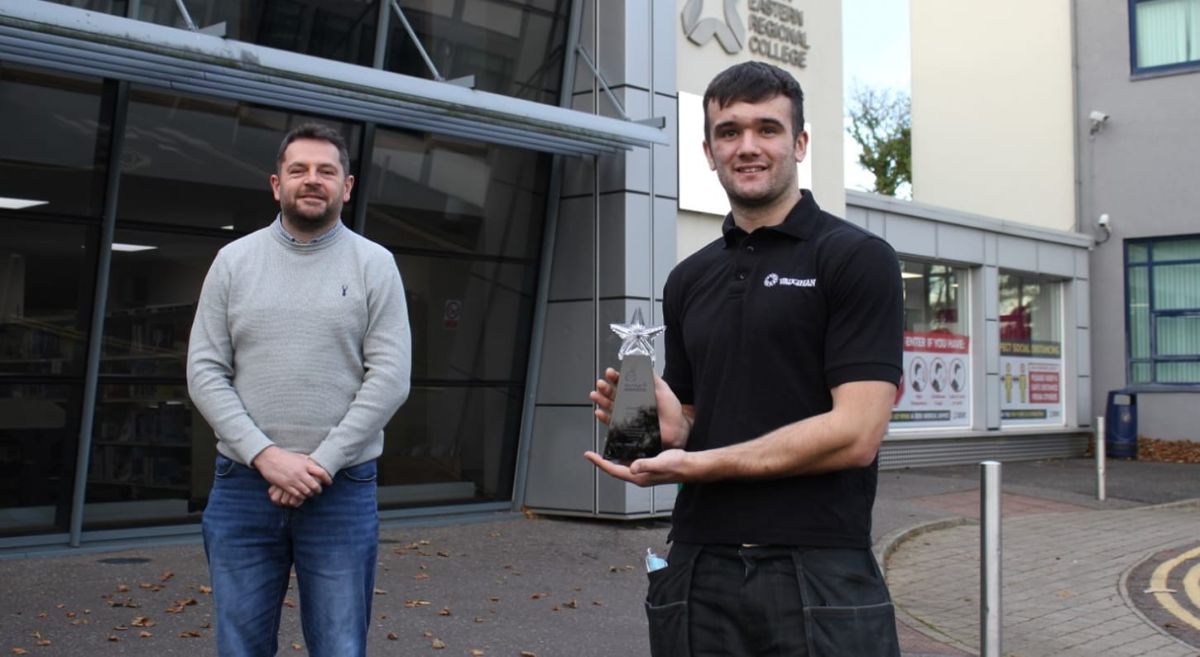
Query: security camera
[(1097, 116), (1102, 221)]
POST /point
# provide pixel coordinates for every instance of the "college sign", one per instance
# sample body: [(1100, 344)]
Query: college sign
[(776, 30)]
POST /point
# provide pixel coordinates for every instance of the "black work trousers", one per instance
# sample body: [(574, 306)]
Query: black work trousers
[(729, 601)]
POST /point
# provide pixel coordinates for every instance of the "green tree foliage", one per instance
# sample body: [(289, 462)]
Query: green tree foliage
[(881, 123)]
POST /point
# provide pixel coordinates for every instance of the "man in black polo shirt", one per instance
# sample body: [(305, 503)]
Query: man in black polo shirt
[(783, 352)]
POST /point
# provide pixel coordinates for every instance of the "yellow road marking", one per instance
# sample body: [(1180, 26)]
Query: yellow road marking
[(1159, 581), (1191, 584)]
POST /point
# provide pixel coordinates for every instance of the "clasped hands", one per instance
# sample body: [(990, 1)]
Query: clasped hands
[(293, 477)]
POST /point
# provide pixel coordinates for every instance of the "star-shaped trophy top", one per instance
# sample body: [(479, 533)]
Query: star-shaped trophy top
[(636, 336)]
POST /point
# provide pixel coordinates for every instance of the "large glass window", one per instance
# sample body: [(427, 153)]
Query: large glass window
[(936, 388), (151, 451), (1163, 297), (53, 159), (46, 278), (1031, 329), (465, 223), (1166, 33), (512, 47), (53, 152)]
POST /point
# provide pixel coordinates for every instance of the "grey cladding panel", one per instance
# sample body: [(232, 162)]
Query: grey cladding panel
[(559, 478), (573, 269), (960, 244), (911, 237), (568, 355), (1017, 254)]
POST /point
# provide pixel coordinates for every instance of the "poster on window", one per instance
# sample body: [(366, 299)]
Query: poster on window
[(935, 389), (1031, 382)]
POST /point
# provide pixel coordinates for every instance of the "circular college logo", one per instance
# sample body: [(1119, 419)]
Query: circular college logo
[(771, 280), (730, 32)]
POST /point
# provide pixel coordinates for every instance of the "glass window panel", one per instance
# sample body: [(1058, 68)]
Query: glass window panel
[(471, 318), (1031, 363), (1178, 335), (1141, 373), (935, 390), (430, 193), (1176, 287), (206, 162), (152, 295), (46, 278), (343, 30), (39, 429), (151, 459), (54, 153), (1139, 312), (1138, 252), (1186, 249), (511, 47), (450, 444), (1168, 32), (1177, 372)]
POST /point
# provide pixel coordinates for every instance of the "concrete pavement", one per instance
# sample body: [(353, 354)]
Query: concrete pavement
[(1076, 571)]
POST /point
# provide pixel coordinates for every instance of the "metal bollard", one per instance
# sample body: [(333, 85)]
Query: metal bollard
[(989, 570), (1100, 462)]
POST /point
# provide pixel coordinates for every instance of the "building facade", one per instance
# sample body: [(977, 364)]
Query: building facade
[(491, 153), (1136, 118)]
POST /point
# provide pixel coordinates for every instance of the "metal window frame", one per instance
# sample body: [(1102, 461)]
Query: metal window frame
[(1152, 315), (1138, 72)]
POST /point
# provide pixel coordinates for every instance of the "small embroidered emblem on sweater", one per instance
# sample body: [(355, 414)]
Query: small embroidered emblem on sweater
[(344, 289)]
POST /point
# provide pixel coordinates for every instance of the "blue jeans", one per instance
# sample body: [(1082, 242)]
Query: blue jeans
[(332, 540)]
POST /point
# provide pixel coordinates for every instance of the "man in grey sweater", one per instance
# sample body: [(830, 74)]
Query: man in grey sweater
[(300, 353)]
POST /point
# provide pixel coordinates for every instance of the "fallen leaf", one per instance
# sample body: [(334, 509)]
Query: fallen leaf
[(114, 638), (527, 653), (151, 587), (43, 615), (538, 596), (59, 606), (445, 611), (597, 603), (412, 604), (476, 652), (166, 576), (441, 553), (144, 634), (297, 646), (438, 644), (19, 651), (122, 588), (1065, 594), (141, 621), (421, 576), (189, 634), (480, 620), (120, 628), (43, 642), (392, 636), (71, 614), (380, 592), (204, 589), (206, 626), (186, 602), (494, 599), (427, 634), (571, 604), (289, 603)]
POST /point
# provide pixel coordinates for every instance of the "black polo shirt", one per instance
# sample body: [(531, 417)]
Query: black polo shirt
[(760, 327)]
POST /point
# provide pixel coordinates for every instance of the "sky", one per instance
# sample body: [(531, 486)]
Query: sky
[(875, 52)]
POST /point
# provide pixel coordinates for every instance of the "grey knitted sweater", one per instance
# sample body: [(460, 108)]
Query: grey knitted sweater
[(304, 346)]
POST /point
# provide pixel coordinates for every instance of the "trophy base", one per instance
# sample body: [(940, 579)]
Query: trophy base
[(636, 438)]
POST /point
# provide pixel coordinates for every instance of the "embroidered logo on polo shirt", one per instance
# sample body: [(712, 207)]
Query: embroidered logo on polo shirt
[(775, 279)]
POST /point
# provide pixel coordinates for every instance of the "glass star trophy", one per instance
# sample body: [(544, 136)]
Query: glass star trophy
[(633, 431)]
